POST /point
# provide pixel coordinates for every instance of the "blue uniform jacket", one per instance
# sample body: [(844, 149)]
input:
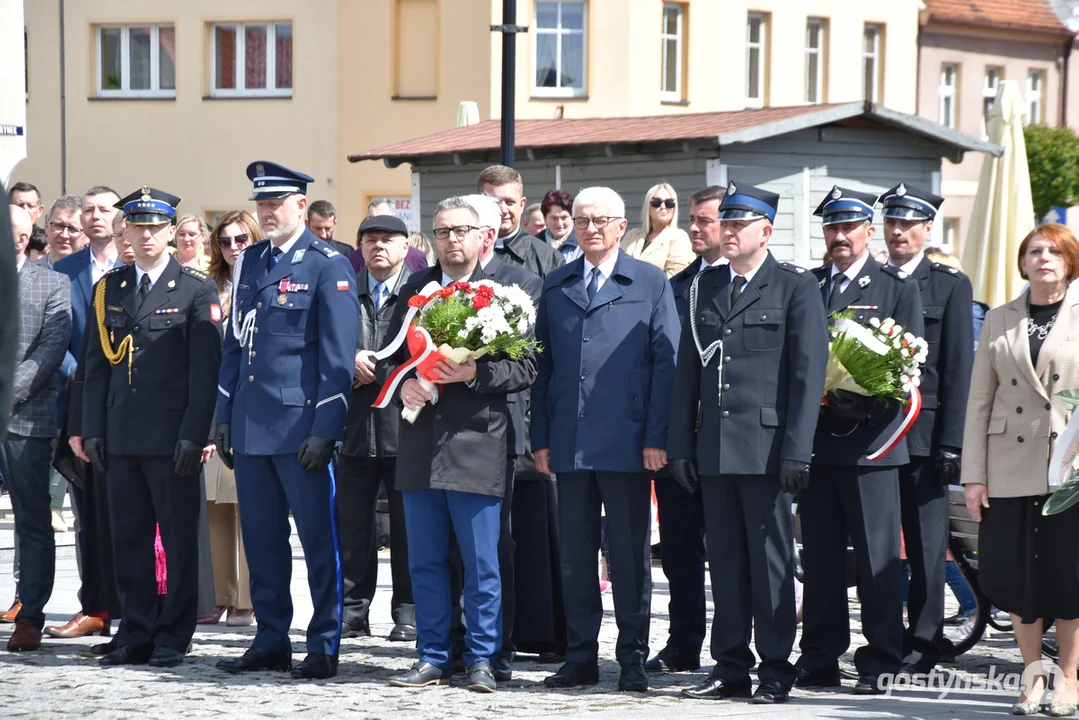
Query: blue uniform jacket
[(603, 388), (293, 376)]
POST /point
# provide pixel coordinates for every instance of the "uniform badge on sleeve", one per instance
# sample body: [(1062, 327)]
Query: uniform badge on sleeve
[(342, 285), (215, 313)]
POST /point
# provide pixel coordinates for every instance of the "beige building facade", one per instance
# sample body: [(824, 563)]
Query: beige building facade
[(182, 96), (966, 51)]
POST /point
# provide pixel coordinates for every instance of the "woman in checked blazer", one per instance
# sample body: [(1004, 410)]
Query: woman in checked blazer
[(1028, 563)]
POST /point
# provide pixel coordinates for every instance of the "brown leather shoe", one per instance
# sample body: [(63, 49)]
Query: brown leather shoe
[(13, 611), (25, 637), (80, 625)]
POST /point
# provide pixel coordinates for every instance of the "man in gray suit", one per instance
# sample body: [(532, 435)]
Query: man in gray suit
[(44, 332)]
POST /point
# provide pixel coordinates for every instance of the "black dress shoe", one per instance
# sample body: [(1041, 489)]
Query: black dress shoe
[(715, 689), (126, 655), (810, 679), (422, 674), (572, 674), (771, 692), (633, 679), (501, 668), (104, 648), (551, 658), (257, 659), (316, 666), (671, 660), (481, 677), (868, 685), (402, 632), (350, 630), (166, 657)]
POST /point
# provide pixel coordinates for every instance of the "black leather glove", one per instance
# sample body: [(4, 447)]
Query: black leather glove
[(316, 453), (793, 476), (95, 450), (684, 473), (847, 405), (223, 441), (949, 465), (186, 458)]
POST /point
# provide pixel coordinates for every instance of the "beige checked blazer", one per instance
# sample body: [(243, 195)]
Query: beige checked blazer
[(1013, 418), (671, 251)]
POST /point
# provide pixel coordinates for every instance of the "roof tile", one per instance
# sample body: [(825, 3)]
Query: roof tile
[(1030, 15)]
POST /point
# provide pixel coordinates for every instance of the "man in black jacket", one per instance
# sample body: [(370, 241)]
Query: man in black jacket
[(368, 456), (513, 244)]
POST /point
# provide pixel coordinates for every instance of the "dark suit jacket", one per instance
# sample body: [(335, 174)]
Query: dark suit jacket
[(44, 332), (177, 349), (775, 348), (462, 442), (947, 306), (9, 318), (529, 252), (881, 292), (606, 372)]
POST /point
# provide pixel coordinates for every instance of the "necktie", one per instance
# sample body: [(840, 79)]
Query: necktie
[(275, 255), (144, 289), (833, 299), (593, 284), (739, 282), (380, 289)]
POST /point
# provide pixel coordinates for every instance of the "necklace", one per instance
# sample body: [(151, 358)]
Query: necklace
[(1033, 327)]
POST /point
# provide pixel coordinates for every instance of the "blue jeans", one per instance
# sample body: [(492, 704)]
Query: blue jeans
[(960, 588), (27, 461)]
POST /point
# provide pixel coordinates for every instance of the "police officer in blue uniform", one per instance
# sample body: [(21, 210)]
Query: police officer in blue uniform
[(751, 364), (850, 496), (936, 439), (286, 376), (151, 353)]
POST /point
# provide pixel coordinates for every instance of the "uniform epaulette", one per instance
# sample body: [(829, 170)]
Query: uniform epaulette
[(252, 246), (791, 267), (895, 272), (195, 272), (324, 249), (941, 267), (117, 269)]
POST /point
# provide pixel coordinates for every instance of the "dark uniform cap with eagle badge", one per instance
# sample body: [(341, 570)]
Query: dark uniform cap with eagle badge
[(272, 181), (906, 202), (149, 206), (842, 205), (745, 202)]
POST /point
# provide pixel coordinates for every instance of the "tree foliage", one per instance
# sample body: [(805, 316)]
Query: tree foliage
[(1053, 158)]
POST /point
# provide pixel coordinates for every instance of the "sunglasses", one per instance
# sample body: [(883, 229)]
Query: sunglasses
[(226, 242), (669, 202)]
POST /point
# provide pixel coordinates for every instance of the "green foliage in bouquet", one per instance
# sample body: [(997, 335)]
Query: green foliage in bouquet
[(878, 375), (1068, 493), (444, 320)]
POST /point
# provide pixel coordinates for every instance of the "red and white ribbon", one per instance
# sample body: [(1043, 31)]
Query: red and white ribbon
[(422, 347), (910, 415)]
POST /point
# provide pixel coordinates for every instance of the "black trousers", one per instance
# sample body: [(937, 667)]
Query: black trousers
[(507, 551), (358, 481), (860, 504), (750, 554), (538, 587), (26, 475), (144, 491), (681, 536), (924, 511), (627, 500), (98, 592)]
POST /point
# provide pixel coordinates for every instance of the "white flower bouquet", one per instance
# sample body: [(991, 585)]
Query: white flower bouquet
[(880, 361)]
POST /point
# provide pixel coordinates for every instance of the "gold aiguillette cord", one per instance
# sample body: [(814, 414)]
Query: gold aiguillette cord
[(126, 345)]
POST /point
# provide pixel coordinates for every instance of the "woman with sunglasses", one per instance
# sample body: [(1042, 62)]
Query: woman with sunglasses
[(659, 241), (233, 232)]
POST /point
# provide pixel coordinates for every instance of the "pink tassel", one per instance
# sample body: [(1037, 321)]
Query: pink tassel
[(159, 561)]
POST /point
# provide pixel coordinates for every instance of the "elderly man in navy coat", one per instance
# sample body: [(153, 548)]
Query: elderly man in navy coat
[(600, 404)]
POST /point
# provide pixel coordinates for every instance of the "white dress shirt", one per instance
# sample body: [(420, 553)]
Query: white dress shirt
[(705, 265), (287, 245), (850, 273), (154, 274), (98, 269), (748, 276), (909, 267), (605, 270), (20, 262)]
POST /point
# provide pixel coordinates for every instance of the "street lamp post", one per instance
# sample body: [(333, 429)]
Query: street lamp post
[(509, 29)]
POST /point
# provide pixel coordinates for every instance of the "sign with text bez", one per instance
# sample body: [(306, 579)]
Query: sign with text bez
[(12, 88)]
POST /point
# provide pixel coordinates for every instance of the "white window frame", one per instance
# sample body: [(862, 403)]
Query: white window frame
[(1035, 96), (947, 112), (241, 61), (674, 95), (949, 234), (559, 31), (762, 57), (874, 57), (815, 25), (989, 94), (125, 90)]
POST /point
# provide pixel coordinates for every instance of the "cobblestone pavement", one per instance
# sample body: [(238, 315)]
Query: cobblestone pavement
[(63, 679)]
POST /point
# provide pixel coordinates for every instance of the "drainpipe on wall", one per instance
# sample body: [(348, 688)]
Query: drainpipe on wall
[(1064, 85), (63, 107)]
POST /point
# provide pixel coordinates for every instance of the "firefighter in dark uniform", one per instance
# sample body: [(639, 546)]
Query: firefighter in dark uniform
[(152, 355), (283, 391), (936, 440), (752, 357), (849, 496)]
